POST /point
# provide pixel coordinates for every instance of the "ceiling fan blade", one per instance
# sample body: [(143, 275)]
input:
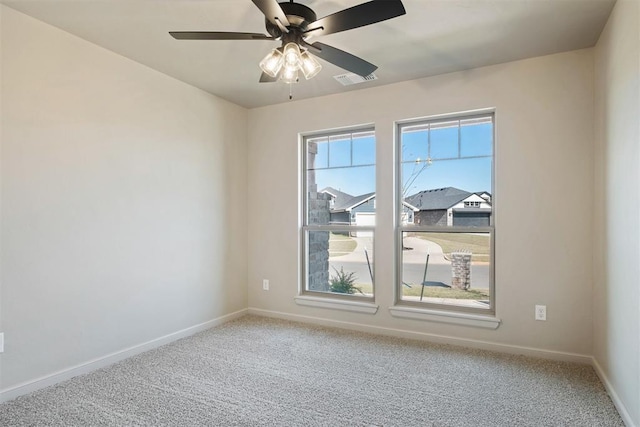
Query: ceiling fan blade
[(217, 35), (343, 59), (266, 78), (357, 16), (272, 11)]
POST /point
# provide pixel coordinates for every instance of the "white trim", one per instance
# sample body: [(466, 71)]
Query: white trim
[(350, 208), (622, 410), (337, 304), (442, 316), (453, 115), (100, 362), (410, 206), (423, 336)]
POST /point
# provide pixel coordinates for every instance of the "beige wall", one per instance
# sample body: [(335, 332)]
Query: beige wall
[(544, 155), (123, 202), (617, 205)]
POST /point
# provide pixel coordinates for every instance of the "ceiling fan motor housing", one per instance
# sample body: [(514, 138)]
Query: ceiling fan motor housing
[(299, 16)]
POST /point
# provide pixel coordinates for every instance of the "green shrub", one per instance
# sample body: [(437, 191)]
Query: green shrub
[(344, 283)]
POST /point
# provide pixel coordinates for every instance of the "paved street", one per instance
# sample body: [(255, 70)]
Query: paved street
[(413, 266)]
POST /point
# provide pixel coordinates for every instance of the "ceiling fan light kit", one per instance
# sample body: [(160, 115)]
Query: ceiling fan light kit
[(293, 24), (290, 61)]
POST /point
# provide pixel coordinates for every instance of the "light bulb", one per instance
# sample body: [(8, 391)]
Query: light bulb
[(310, 65), (272, 63)]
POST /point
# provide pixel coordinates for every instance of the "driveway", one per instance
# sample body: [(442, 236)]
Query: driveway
[(439, 268)]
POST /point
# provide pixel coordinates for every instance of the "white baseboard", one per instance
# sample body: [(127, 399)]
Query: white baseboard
[(622, 410), (440, 339), (100, 362)]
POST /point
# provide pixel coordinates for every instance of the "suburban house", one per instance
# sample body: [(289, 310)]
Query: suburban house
[(441, 206), (348, 209), (451, 206), (152, 188)]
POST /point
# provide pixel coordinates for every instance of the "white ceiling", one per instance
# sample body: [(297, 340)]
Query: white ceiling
[(434, 37)]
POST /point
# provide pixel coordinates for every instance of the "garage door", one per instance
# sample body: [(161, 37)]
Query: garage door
[(471, 219), (367, 219)]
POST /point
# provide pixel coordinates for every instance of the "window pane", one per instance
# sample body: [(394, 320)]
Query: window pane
[(453, 267), (476, 137), (322, 157), (340, 151), (444, 140), (415, 144), (341, 190), (317, 152), (449, 188), (340, 262), (364, 149)]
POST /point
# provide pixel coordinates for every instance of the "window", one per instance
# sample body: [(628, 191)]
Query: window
[(339, 214), (446, 182)]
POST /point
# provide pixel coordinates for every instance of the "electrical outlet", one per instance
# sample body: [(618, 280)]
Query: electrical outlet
[(265, 284), (1, 342), (541, 312)]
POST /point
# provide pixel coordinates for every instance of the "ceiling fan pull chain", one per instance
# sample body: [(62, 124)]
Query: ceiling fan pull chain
[(290, 91)]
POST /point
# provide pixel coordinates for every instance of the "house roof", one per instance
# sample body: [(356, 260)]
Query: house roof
[(480, 193), (439, 198), (355, 201), (340, 198), (343, 201)]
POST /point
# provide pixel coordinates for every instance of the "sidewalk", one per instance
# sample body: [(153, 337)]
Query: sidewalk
[(419, 249), (416, 255)]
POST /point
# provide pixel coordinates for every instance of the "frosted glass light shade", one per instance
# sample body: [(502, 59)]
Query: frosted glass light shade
[(272, 63), (292, 55), (310, 65), (289, 74)]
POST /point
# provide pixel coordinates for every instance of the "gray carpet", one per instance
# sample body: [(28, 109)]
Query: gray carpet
[(263, 372)]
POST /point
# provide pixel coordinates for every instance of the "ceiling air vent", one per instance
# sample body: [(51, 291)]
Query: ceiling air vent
[(352, 79)]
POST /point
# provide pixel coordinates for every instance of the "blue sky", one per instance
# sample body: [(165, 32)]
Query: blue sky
[(348, 166)]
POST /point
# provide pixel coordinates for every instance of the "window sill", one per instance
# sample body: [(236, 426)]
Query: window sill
[(442, 316), (337, 304)]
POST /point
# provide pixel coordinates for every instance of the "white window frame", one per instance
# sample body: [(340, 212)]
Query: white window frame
[(429, 310), (348, 302)]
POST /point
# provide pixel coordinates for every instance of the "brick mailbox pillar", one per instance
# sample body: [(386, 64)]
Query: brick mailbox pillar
[(318, 244), (461, 270)]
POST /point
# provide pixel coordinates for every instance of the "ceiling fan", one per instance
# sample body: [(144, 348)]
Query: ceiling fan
[(294, 24)]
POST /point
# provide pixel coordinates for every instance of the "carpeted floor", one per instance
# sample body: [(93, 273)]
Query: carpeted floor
[(262, 372)]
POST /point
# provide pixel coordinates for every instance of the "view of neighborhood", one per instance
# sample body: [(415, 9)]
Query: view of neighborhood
[(442, 206), (353, 252), (450, 266)]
